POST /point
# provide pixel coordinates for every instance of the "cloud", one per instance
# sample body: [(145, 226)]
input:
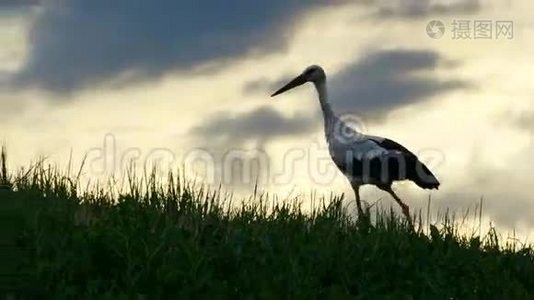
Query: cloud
[(78, 43), (512, 206), (258, 126), (388, 79), (11, 106), (15, 3), (423, 8), (525, 121)]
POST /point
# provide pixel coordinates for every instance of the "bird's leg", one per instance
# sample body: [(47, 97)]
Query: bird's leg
[(356, 188), (404, 207)]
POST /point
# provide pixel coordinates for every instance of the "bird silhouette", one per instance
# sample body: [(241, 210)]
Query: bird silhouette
[(364, 159)]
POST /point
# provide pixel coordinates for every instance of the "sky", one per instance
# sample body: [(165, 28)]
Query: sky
[(187, 84)]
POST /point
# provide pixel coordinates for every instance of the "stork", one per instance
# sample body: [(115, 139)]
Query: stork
[(364, 159)]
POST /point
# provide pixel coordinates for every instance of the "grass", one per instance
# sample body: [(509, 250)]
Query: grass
[(175, 240)]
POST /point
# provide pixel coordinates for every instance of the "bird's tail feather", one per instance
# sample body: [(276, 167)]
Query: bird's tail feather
[(425, 179)]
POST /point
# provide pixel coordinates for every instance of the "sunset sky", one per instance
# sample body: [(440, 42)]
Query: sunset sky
[(188, 84)]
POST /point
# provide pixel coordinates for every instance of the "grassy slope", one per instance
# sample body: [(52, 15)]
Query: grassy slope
[(174, 240)]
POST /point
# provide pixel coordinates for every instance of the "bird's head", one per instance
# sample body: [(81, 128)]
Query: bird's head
[(312, 73)]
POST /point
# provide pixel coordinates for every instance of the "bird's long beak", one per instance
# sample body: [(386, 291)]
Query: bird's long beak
[(299, 80)]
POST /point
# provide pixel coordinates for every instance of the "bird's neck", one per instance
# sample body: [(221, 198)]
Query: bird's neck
[(328, 114)]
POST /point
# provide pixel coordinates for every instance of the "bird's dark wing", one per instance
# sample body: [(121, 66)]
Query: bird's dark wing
[(391, 145), (399, 158)]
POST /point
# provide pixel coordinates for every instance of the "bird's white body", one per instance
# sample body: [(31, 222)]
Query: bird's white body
[(344, 142), (362, 149)]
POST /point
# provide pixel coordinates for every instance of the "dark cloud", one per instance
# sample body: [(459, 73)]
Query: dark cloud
[(78, 42), (388, 79), (15, 3), (259, 126), (424, 8)]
